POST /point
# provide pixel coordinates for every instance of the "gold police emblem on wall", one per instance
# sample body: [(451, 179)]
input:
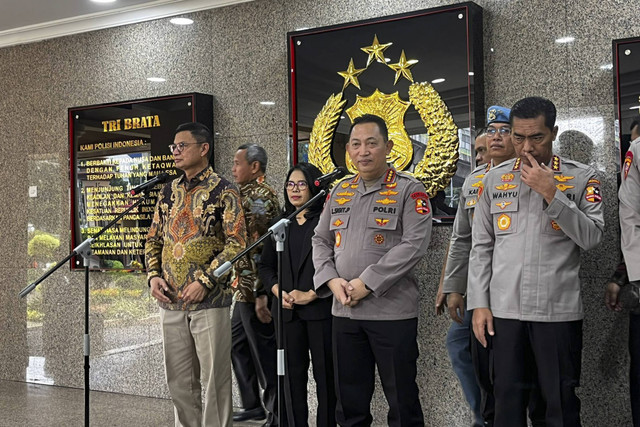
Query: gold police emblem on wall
[(438, 164)]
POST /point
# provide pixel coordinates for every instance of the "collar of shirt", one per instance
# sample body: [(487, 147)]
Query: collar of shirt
[(197, 179)]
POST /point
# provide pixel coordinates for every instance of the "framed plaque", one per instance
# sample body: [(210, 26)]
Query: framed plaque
[(113, 148), (626, 62)]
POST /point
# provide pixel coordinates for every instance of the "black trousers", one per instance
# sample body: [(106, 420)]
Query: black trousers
[(552, 351), (253, 355), (482, 359), (634, 368), (359, 346), (302, 337)]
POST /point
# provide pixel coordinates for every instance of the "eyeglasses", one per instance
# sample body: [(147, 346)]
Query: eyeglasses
[(181, 145), (302, 185), (501, 131)]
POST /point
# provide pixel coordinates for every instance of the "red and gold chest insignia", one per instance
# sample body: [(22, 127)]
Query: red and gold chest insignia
[(388, 193), (564, 187), (382, 221), (338, 239), (342, 200), (338, 222), (593, 194), (504, 222), (346, 193), (507, 177), (503, 205), (562, 178), (555, 225), (344, 185), (387, 201), (505, 187), (628, 160), (378, 239)]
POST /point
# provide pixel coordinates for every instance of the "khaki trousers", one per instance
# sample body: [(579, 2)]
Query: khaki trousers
[(197, 357)]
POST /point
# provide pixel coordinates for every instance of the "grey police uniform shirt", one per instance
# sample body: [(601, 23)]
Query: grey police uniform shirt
[(525, 256), (455, 276), (629, 207), (377, 234)]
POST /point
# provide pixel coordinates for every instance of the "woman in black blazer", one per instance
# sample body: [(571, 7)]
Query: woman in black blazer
[(306, 318)]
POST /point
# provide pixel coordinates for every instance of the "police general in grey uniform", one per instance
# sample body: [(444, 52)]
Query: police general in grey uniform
[(374, 229), (533, 216)]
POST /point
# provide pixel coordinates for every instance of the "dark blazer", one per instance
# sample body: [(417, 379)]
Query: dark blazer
[(293, 277)]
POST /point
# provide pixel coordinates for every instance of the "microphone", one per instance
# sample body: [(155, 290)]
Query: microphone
[(159, 179), (327, 178)]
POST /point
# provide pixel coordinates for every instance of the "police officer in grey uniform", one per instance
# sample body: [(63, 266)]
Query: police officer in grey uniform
[(533, 216), (374, 229), (480, 399), (629, 209)]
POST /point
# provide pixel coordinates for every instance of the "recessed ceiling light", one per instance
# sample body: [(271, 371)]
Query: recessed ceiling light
[(460, 16), (635, 107), (606, 67), (267, 103), (471, 73), (181, 21), (627, 52), (567, 39), (440, 80), (156, 79)]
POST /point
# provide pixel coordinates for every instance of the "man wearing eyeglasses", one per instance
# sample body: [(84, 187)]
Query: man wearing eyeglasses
[(532, 218), (374, 229), (477, 392), (197, 226), (253, 350)]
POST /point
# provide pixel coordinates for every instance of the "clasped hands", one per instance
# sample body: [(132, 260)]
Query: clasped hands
[(348, 293), (193, 293)]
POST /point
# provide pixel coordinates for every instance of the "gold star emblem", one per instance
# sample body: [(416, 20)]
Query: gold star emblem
[(402, 68), (375, 50), (350, 75)]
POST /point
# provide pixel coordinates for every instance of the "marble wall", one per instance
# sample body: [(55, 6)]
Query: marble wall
[(238, 54)]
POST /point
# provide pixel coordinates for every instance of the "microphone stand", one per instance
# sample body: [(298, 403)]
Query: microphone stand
[(83, 250), (278, 231)]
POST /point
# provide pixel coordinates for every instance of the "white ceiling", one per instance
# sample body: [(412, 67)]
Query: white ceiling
[(26, 21)]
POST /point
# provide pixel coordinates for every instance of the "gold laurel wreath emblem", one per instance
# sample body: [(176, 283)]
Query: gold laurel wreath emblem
[(438, 164)]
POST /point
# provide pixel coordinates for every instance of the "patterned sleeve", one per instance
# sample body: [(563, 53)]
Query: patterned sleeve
[(155, 241), (235, 236)]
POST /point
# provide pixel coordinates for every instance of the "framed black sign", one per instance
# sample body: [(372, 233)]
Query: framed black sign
[(113, 148)]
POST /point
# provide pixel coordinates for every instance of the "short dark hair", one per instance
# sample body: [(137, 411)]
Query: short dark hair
[(635, 123), (481, 131), (200, 132), (255, 153), (533, 107), (311, 173), (372, 118)]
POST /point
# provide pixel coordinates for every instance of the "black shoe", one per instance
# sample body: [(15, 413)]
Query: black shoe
[(249, 414)]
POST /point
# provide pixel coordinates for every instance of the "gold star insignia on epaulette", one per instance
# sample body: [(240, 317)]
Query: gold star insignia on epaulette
[(555, 164), (564, 187), (350, 75), (562, 178), (376, 50), (386, 201), (402, 68), (342, 201)]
